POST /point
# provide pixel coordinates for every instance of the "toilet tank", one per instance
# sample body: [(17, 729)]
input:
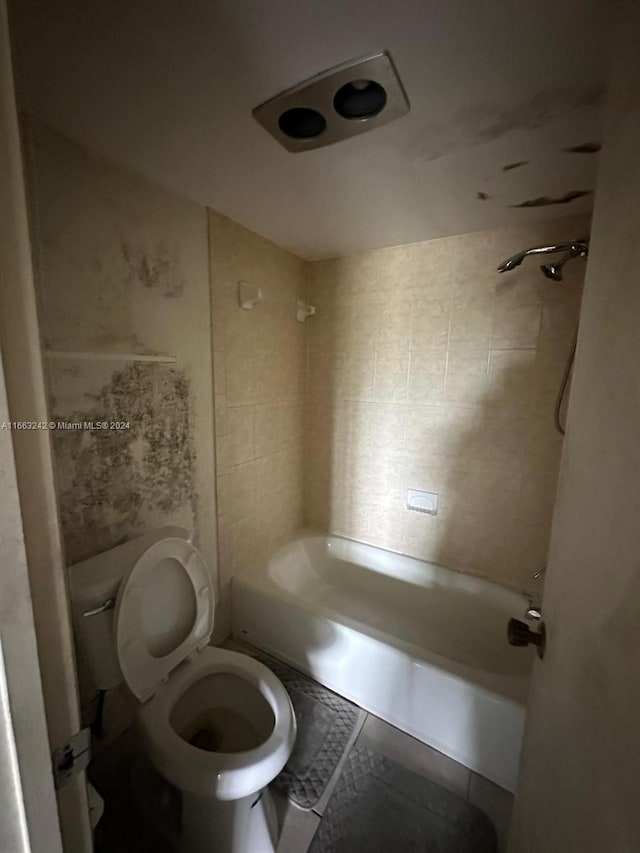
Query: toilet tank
[(93, 587)]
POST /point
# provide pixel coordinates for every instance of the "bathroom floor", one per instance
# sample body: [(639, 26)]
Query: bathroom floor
[(120, 831), (298, 826)]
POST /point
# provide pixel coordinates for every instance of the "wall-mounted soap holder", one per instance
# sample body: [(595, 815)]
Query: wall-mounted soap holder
[(249, 295), (303, 311), (420, 501)]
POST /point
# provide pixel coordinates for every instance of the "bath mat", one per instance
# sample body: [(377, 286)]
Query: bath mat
[(379, 806), (325, 724)]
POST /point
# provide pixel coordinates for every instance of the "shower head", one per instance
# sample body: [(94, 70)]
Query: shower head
[(554, 269), (579, 248)]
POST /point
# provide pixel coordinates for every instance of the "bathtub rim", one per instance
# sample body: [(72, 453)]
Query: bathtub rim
[(305, 532), (511, 687)]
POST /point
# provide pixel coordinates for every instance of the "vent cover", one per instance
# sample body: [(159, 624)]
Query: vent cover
[(339, 103)]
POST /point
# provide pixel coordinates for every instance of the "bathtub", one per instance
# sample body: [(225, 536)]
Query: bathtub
[(419, 645)]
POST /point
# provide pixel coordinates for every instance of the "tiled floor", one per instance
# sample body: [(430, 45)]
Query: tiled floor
[(121, 830), (298, 826)]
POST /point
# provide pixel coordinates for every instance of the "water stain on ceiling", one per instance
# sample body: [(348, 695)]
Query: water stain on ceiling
[(549, 201), (517, 165), (585, 148)]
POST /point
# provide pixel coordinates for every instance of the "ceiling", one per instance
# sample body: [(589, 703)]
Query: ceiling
[(168, 87)]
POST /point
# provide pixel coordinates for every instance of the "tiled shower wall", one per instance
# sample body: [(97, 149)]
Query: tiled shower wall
[(426, 369), (259, 358)]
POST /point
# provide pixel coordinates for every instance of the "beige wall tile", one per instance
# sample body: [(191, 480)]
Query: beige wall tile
[(356, 272), (420, 535), (512, 374), (421, 369), (391, 376), (471, 320), (352, 422), (430, 370), (240, 437), (396, 268), (433, 268), (394, 325), (387, 426), (241, 491), (427, 374), (467, 376), (354, 376), (516, 326), (355, 322), (260, 362), (429, 321), (277, 426), (241, 373)]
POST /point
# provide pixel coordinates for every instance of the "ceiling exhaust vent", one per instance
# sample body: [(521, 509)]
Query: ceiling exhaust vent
[(339, 103)]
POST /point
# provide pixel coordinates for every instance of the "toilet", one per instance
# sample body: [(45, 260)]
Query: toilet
[(217, 725)]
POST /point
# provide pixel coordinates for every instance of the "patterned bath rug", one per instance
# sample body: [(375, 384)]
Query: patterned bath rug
[(379, 806), (325, 724)]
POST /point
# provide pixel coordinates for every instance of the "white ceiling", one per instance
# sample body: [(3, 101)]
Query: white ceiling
[(167, 87)]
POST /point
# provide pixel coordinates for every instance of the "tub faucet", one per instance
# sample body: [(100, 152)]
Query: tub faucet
[(533, 613)]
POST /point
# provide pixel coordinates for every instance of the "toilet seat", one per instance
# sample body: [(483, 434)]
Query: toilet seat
[(226, 776), (163, 623), (164, 612)]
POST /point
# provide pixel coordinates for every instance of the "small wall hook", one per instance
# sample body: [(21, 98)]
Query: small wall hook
[(248, 295), (303, 311)]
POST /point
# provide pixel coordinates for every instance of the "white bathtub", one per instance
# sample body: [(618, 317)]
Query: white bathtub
[(421, 646)]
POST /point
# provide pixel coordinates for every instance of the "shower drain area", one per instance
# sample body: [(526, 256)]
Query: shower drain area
[(339, 103)]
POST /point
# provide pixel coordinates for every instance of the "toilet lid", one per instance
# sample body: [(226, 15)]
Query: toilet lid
[(164, 612)]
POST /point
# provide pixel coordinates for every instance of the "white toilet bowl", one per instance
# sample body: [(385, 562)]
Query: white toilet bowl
[(221, 726), (217, 725), (220, 730)]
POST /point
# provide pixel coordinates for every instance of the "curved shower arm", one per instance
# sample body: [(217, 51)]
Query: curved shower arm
[(577, 247)]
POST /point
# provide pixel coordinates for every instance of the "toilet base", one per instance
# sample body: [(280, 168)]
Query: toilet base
[(248, 825)]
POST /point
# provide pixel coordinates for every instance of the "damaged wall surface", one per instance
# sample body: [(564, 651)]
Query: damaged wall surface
[(122, 269)]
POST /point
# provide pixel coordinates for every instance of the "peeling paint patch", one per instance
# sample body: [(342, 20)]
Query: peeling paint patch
[(585, 148), (516, 165), (114, 484), (547, 201), (156, 268), (482, 196)]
